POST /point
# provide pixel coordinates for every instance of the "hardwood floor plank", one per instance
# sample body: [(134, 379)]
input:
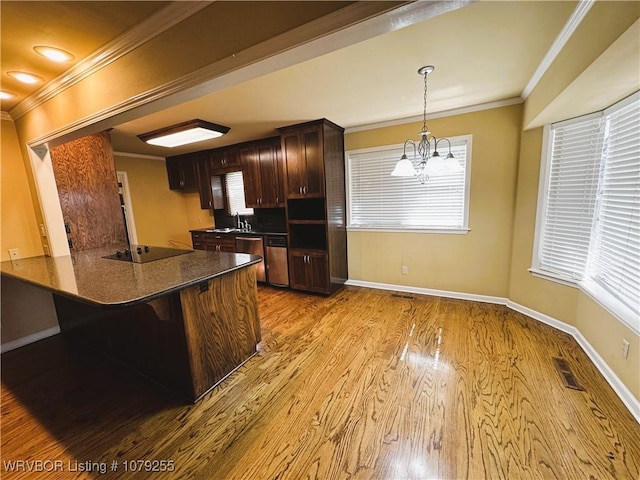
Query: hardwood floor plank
[(364, 384)]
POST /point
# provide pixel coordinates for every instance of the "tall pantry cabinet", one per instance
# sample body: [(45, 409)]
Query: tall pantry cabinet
[(314, 180)]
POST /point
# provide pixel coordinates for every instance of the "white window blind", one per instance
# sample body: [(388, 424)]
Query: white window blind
[(616, 258), (234, 185), (576, 150), (378, 200), (590, 219)]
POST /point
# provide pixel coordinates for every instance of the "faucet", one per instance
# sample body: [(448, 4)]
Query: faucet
[(238, 221)]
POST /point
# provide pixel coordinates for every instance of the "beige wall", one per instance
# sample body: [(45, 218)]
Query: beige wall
[(19, 227), (477, 262), (162, 217)]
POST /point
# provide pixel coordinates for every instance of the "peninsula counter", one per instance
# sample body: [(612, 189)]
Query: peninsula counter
[(186, 321)]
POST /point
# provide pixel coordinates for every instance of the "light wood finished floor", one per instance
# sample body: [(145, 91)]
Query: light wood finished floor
[(364, 384)]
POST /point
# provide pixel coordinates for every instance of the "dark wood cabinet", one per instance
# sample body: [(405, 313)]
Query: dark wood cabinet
[(313, 156), (224, 160), (303, 152), (262, 173), (309, 270), (214, 242), (182, 173)]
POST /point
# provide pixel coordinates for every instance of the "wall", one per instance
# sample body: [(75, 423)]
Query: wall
[(162, 217), (478, 262), (19, 227)]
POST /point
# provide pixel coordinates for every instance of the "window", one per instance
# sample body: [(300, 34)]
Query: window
[(378, 201), (234, 185), (589, 221)]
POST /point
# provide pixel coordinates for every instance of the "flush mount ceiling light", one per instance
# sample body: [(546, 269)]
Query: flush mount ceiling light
[(6, 95), (429, 162), (184, 133), (55, 54), (25, 77)]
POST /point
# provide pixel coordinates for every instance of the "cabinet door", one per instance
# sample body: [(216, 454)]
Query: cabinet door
[(189, 174), (181, 173), (294, 163), (313, 153), (223, 160), (318, 272), (204, 183), (298, 270), (250, 161), (173, 174), (270, 181)]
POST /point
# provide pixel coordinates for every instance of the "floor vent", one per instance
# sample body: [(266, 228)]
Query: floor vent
[(566, 374), (397, 295)]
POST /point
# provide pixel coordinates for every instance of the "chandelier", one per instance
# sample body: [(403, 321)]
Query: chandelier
[(427, 161)]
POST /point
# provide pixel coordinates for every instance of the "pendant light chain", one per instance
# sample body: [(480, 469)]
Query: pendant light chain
[(424, 114)]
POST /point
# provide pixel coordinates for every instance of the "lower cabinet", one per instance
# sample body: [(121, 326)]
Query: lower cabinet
[(213, 242), (309, 270)]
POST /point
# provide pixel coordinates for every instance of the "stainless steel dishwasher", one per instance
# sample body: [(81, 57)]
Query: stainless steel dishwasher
[(277, 264), (254, 246)]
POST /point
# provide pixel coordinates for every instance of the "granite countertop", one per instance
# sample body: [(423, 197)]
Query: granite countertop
[(88, 277), (237, 231)]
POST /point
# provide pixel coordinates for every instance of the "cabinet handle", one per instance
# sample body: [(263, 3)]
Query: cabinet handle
[(209, 202), (182, 183), (300, 190), (304, 190)]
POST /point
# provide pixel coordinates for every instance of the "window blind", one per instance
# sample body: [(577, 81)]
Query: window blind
[(576, 152), (234, 185), (378, 200), (616, 259)]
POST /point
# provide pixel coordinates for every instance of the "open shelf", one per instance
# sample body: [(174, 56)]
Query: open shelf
[(306, 209), (308, 236)]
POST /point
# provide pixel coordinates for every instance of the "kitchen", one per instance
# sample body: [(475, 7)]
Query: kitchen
[(503, 188)]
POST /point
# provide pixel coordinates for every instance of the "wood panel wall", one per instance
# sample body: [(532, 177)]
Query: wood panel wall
[(87, 183)]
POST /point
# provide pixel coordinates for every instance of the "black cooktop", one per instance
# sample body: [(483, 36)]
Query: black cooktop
[(144, 254)]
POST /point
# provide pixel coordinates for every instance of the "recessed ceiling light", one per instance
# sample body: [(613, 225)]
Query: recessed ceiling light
[(25, 77), (55, 54), (6, 95)]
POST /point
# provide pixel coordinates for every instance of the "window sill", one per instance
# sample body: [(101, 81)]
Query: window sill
[(452, 231), (599, 295)]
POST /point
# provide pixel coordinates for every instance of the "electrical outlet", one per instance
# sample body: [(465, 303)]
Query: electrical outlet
[(14, 253), (625, 349), (405, 270)]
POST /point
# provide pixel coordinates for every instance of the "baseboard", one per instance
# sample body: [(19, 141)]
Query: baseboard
[(429, 291), (34, 337), (630, 401)]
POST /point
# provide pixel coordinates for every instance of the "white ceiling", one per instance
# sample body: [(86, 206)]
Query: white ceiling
[(485, 52)]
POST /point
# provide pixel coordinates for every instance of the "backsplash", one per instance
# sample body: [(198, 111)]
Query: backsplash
[(263, 219)]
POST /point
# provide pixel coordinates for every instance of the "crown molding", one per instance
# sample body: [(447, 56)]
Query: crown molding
[(354, 23), (443, 113), (5, 116), (558, 44), (138, 155), (133, 38)]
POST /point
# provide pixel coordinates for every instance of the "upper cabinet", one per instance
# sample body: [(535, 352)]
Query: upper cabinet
[(262, 172), (224, 160), (182, 173), (303, 149)]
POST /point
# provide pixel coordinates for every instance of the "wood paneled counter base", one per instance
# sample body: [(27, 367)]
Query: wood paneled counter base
[(187, 339)]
